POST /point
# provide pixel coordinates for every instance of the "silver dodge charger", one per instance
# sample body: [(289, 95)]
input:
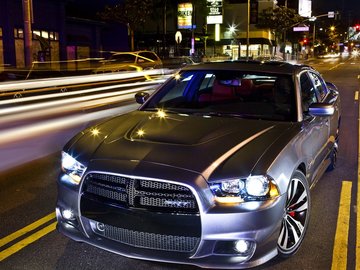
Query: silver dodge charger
[(214, 169)]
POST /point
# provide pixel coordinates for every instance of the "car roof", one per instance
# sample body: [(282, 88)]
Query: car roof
[(134, 52), (276, 67)]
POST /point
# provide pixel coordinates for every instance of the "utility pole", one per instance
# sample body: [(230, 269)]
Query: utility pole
[(193, 19), (248, 30), (27, 18), (284, 52), (164, 28)]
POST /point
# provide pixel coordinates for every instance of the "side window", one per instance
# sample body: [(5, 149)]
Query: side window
[(147, 57), (207, 82), (320, 86), (308, 93), (123, 58)]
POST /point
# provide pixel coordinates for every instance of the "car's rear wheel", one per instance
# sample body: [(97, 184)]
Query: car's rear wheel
[(297, 215)]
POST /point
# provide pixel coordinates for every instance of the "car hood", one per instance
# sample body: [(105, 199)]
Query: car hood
[(194, 143)]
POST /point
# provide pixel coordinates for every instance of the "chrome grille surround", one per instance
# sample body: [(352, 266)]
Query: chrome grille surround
[(146, 194)]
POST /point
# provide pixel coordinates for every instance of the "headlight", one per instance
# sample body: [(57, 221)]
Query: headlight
[(72, 168), (257, 185), (253, 188)]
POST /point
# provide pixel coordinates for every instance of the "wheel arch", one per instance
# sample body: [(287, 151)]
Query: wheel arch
[(302, 168)]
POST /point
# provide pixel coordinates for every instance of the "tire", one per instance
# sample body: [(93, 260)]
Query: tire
[(296, 218)]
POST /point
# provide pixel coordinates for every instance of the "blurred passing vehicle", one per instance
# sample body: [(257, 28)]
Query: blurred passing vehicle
[(330, 55), (130, 61), (214, 169)]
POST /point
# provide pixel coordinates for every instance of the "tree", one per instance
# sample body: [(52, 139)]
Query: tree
[(279, 20), (133, 13)]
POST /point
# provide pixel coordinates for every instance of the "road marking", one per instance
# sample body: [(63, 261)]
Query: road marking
[(356, 95), (336, 66), (26, 229), (27, 241), (340, 251)]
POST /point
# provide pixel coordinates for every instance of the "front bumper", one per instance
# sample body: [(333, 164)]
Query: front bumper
[(218, 226)]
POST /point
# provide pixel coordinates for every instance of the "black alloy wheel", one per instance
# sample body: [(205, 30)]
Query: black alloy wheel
[(296, 217)]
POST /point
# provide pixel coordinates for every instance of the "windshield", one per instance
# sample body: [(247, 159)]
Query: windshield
[(228, 93)]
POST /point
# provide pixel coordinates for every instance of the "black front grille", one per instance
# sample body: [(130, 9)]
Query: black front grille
[(150, 240), (142, 213), (128, 192)]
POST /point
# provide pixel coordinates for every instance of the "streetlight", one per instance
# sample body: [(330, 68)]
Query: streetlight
[(232, 30)]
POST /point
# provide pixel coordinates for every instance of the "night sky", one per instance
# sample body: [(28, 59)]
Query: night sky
[(350, 9), (347, 7)]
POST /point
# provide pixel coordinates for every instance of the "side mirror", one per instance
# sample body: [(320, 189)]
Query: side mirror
[(141, 97), (321, 109), (331, 86)]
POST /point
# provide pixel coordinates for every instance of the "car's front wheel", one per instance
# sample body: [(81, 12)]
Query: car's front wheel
[(296, 217)]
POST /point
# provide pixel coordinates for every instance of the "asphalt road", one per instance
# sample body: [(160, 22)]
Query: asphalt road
[(28, 195)]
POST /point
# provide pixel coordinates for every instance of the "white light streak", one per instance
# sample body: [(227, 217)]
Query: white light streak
[(37, 129), (50, 82), (36, 126), (78, 92)]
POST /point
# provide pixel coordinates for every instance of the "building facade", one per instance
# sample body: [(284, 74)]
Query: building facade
[(159, 32), (55, 37)]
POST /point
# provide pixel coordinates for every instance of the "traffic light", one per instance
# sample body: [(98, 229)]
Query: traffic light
[(305, 41), (357, 27)]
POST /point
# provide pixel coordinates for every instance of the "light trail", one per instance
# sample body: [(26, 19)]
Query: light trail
[(77, 100), (37, 129), (62, 81), (35, 126), (79, 92)]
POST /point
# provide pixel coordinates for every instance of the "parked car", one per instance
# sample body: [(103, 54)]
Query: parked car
[(214, 169), (177, 62), (130, 61)]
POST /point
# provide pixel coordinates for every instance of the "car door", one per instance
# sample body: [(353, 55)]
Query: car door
[(315, 128)]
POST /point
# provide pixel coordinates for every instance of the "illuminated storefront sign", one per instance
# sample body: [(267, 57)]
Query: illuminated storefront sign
[(185, 11), (214, 12), (305, 8)]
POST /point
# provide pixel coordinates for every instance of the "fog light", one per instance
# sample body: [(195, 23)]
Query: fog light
[(68, 214), (242, 246), (100, 226)]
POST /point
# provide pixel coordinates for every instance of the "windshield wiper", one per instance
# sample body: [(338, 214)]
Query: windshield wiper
[(237, 115)]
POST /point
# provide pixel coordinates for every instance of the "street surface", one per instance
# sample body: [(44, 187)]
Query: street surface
[(28, 239)]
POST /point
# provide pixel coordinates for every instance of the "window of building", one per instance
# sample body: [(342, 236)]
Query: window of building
[(18, 33), (36, 33)]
